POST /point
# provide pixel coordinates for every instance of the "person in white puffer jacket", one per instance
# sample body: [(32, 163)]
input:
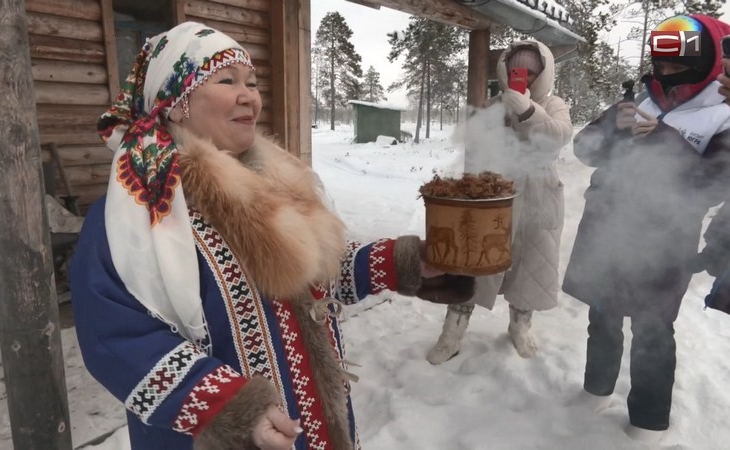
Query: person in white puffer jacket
[(540, 125)]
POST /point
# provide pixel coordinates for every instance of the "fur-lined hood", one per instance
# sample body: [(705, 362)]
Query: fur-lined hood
[(269, 207)]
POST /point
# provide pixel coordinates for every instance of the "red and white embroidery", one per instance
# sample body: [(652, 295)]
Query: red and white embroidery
[(246, 315), (382, 266), (310, 408), (164, 378), (347, 287), (207, 398)]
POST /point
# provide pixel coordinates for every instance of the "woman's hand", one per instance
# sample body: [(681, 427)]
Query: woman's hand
[(275, 430)]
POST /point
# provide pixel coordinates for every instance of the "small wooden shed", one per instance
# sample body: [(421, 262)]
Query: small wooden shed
[(375, 119)]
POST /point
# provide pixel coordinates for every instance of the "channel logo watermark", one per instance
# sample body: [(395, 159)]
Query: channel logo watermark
[(677, 36)]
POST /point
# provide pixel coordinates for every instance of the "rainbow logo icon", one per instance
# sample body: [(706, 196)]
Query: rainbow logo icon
[(677, 36)]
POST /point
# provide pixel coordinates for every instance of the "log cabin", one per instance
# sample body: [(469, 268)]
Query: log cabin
[(81, 50)]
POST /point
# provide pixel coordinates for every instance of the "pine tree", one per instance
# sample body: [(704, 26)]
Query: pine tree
[(342, 63), (373, 90), (428, 47), (587, 83)]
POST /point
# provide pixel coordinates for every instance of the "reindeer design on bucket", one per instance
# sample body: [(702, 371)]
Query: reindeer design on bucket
[(496, 241), (442, 235)]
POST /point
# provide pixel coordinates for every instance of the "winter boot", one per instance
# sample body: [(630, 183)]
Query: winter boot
[(519, 331), (457, 319), (647, 437)]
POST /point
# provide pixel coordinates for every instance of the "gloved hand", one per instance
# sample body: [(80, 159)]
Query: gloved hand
[(447, 289), (516, 103)]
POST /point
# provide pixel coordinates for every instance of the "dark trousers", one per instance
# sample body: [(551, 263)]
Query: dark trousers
[(653, 360)]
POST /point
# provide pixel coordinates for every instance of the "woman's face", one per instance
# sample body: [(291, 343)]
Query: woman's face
[(225, 108)]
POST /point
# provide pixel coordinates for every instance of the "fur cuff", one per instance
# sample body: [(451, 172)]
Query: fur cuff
[(232, 427), (407, 256), (448, 289)]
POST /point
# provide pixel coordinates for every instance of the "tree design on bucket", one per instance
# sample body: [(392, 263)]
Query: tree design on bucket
[(468, 235)]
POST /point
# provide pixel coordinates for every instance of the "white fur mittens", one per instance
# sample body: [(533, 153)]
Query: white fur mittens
[(516, 103)]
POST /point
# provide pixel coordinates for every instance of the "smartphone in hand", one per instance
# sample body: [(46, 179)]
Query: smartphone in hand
[(517, 80)]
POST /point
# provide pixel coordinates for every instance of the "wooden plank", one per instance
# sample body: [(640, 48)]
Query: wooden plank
[(30, 334), (449, 12), (69, 135), (239, 32), (69, 115), (278, 103), (79, 9), (50, 25), (64, 49), (225, 13), (256, 5), (178, 11), (110, 45), (87, 175), (89, 194), (66, 71), (71, 93), (86, 155), (260, 52), (305, 84)]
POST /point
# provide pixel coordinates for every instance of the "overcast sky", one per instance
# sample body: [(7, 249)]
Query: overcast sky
[(370, 26)]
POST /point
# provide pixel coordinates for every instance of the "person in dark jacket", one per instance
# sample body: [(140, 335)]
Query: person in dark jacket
[(715, 256), (659, 168)]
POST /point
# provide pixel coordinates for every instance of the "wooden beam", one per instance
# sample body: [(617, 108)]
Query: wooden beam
[(476, 91), (369, 3), (278, 60), (30, 335), (178, 11), (305, 83), (449, 12), (80, 9), (110, 46)]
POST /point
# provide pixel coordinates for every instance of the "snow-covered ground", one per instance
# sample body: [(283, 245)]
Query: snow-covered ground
[(487, 397)]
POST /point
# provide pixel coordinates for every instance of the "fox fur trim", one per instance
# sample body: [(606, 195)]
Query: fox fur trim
[(232, 427), (267, 206)]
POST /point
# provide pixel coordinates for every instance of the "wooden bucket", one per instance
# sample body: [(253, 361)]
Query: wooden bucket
[(469, 237)]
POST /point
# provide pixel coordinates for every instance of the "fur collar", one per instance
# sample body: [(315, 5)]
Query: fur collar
[(268, 206)]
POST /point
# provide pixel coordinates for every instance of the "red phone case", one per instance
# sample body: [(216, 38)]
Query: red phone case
[(518, 79)]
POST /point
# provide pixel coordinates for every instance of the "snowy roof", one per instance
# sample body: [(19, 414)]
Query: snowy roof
[(546, 20), (376, 105)]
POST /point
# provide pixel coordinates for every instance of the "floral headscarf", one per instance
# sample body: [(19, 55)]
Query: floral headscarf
[(147, 220)]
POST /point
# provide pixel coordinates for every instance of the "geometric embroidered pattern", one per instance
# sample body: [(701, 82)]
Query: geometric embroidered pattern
[(213, 390), (347, 289), (164, 378), (246, 315), (312, 419), (379, 259)]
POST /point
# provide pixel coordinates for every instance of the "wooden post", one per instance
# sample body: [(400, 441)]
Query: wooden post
[(30, 336), (476, 90)]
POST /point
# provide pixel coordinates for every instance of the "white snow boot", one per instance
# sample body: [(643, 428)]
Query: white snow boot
[(449, 343), (519, 332), (596, 403)]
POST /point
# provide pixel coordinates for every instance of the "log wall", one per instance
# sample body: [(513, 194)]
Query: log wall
[(75, 73)]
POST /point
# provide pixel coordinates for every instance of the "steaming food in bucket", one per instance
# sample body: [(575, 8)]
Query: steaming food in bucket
[(469, 223)]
